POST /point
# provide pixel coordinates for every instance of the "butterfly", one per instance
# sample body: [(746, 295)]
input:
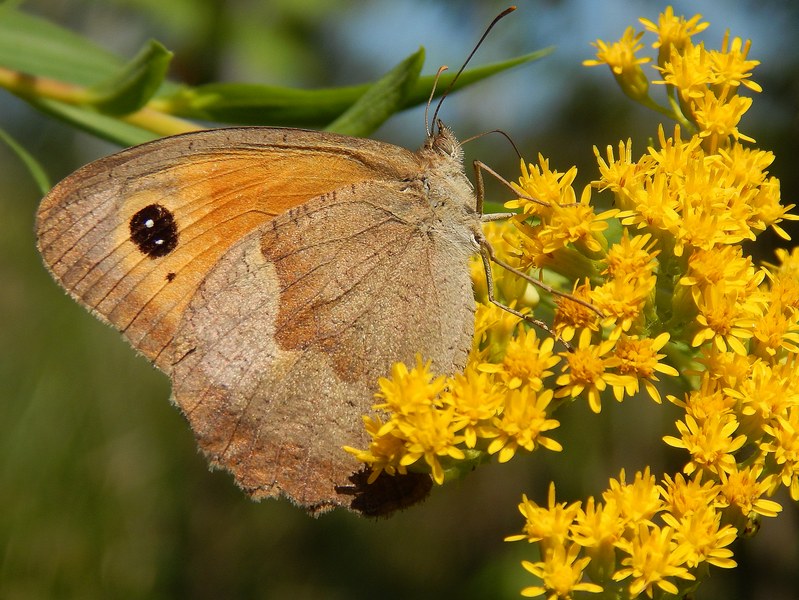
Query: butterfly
[(275, 274)]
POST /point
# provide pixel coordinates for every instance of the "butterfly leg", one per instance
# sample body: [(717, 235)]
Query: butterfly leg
[(489, 255), (479, 167)]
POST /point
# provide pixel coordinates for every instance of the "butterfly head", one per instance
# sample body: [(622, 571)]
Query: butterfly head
[(444, 143)]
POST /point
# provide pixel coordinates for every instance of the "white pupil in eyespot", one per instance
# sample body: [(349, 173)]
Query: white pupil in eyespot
[(149, 223)]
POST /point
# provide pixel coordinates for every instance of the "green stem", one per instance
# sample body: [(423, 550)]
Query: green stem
[(31, 87)]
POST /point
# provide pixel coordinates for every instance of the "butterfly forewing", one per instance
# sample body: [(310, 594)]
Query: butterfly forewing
[(133, 235)]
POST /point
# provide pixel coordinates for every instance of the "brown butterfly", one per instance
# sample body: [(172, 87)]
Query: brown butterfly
[(274, 275)]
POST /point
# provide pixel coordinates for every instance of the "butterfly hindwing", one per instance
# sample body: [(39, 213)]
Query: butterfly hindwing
[(278, 355)]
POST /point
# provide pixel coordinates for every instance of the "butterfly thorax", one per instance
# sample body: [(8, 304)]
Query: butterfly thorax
[(448, 190)]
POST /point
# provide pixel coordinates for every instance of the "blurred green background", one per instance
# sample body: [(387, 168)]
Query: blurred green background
[(102, 492)]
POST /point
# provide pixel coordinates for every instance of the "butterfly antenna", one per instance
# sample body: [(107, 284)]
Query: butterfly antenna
[(441, 69), (500, 132), (504, 13)]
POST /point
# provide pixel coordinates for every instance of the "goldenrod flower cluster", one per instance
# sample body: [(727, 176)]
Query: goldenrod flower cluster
[(656, 287)]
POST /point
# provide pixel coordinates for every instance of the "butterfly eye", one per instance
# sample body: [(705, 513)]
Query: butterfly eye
[(445, 143), (154, 231)]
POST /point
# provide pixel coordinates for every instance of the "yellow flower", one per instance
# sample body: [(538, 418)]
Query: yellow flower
[(743, 489), (784, 448), (689, 70), (655, 205), (788, 269), (543, 184), (718, 118), (683, 497), (575, 223), (766, 209), (784, 289), (493, 329), (731, 65), (572, 316), (418, 426), (721, 266), (631, 257), (674, 156), (586, 371), (527, 361), (623, 300), (712, 398), (723, 320), (475, 398), (598, 528), (745, 168), (673, 32), (709, 442), (638, 501), (639, 359), (599, 524), (626, 68), (702, 537), (531, 248), (561, 574), (431, 434), (405, 390), (521, 424), (764, 395), (725, 367), (745, 172), (654, 556), (385, 450), (623, 176), (549, 525)]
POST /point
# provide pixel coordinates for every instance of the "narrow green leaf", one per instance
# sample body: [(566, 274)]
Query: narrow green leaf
[(133, 86), (38, 47), (254, 104), (422, 90), (36, 170), (384, 98), (33, 45), (103, 126)]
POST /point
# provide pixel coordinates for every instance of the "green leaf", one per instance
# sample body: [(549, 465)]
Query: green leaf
[(35, 46), (385, 97), (255, 104), (103, 126), (36, 170), (135, 84), (422, 90)]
